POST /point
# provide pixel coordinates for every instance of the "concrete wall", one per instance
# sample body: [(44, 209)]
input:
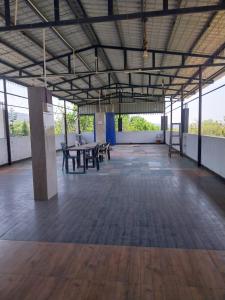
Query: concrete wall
[(21, 146), (88, 136), (61, 139), (58, 140), (190, 145), (213, 148), (138, 137), (213, 151), (71, 137), (130, 137), (213, 154)]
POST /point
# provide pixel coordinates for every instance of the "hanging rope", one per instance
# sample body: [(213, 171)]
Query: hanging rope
[(44, 57), (74, 62), (99, 100), (16, 12)]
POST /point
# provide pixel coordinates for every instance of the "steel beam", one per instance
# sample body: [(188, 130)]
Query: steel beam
[(158, 51), (138, 71), (118, 17), (124, 86)]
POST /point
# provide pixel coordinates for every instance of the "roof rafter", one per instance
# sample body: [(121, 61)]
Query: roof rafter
[(79, 11), (202, 32), (57, 33)]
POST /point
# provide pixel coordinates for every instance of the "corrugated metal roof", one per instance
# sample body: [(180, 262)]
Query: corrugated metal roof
[(125, 108), (182, 33)]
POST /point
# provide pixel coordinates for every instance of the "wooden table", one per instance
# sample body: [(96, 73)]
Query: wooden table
[(83, 149)]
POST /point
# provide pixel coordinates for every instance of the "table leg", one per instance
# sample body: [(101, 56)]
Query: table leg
[(93, 153), (78, 159), (67, 165), (84, 160)]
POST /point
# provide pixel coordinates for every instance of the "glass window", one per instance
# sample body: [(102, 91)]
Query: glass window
[(16, 89), (18, 112)]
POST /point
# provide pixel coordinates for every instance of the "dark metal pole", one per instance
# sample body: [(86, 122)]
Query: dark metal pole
[(65, 123), (56, 10), (78, 120), (120, 124), (7, 12), (110, 7), (182, 121), (171, 126), (164, 116), (7, 131), (200, 119)]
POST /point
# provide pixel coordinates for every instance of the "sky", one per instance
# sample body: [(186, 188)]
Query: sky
[(213, 105)]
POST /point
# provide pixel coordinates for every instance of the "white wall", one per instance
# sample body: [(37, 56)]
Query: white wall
[(190, 145), (88, 136), (71, 137), (61, 139), (21, 147), (213, 154), (58, 140), (213, 151), (138, 137), (213, 148), (3, 152)]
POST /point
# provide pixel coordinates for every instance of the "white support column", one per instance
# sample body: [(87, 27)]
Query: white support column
[(42, 143), (100, 127), (2, 122)]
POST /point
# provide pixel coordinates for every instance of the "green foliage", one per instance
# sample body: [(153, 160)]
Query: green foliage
[(71, 118), (25, 128), (17, 127), (58, 126), (209, 127), (136, 123), (87, 123)]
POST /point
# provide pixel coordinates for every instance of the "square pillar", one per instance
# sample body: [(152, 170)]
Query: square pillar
[(100, 127), (42, 143), (2, 122)]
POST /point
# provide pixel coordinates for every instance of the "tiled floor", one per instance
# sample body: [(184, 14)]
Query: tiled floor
[(139, 198)]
